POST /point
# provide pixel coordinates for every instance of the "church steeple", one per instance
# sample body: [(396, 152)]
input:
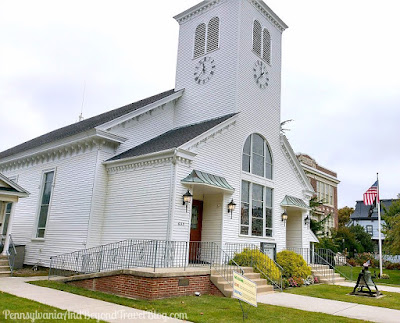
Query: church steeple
[(225, 46)]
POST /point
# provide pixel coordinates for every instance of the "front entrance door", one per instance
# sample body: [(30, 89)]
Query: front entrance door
[(195, 231)]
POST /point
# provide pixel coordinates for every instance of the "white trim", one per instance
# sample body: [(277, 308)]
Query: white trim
[(35, 228), (88, 138), (211, 133), (143, 110), (21, 192), (315, 171), (289, 153)]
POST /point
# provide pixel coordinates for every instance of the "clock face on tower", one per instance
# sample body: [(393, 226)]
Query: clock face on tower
[(204, 70), (260, 74)]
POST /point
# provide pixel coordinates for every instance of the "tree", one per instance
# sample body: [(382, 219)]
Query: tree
[(344, 216), (347, 240), (363, 238), (391, 227), (318, 227)]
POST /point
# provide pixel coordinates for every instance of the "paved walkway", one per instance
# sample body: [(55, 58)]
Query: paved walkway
[(116, 313), (381, 288), (313, 304), (94, 308)]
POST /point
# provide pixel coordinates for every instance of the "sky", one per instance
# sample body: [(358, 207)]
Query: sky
[(340, 74)]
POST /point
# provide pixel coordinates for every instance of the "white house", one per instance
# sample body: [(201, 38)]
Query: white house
[(122, 174)]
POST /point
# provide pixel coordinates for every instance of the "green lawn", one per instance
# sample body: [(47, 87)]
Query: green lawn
[(393, 274), (11, 305), (205, 308), (339, 293)]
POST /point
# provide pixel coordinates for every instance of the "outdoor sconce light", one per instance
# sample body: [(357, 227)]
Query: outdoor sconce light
[(187, 198), (307, 220), (231, 207), (284, 217)]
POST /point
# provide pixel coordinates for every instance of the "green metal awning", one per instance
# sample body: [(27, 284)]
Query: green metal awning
[(291, 201), (197, 177)]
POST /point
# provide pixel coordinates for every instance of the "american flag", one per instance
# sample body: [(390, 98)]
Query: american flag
[(370, 195)]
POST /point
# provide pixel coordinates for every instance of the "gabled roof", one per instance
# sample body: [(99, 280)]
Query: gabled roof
[(11, 188), (83, 125), (361, 211), (171, 139)]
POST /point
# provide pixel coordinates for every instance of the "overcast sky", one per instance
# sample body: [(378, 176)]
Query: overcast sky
[(341, 74)]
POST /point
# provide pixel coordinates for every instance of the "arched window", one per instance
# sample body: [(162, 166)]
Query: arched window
[(213, 34), (256, 199), (267, 46), (200, 40), (257, 37), (257, 156)]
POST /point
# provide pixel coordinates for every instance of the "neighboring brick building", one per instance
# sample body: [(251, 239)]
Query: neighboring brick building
[(325, 183)]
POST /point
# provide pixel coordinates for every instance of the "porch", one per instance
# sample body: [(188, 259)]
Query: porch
[(10, 192)]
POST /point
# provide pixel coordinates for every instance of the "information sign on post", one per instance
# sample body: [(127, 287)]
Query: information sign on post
[(244, 289)]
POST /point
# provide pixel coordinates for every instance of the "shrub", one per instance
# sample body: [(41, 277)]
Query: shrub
[(295, 281), (393, 266), (385, 276), (260, 262), (352, 262), (364, 257), (293, 264)]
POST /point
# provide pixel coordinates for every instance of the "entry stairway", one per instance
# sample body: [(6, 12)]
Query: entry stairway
[(325, 274), (4, 267), (226, 288)]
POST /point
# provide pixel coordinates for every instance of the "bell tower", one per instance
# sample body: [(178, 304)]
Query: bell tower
[(228, 60)]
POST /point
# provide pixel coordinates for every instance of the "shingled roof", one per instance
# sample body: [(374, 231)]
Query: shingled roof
[(361, 211), (172, 139), (83, 125)]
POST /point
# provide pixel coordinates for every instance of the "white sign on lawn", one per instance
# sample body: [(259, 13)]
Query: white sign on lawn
[(244, 289)]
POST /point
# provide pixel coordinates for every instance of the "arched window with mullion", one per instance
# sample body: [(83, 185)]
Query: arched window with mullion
[(256, 158)]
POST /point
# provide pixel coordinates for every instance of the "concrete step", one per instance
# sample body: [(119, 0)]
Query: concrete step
[(252, 276), (330, 281), (4, 262), (2, 268), (319, 267), (5, 273), (264, 289)]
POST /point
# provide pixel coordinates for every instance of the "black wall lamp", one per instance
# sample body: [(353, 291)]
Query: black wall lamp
[(231, 207), (187, 198), (307, 220), (284, 217)]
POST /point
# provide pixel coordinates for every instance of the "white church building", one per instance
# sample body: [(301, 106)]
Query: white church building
[(123, 174)]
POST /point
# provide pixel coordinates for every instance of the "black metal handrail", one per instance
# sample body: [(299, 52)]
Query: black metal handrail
[(133, 254), (225, 265), (11, 253), (267, 267), (332, 259)]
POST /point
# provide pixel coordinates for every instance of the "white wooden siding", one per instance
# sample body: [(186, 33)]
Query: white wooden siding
[(212, 218), (68, 216), (137, 204)]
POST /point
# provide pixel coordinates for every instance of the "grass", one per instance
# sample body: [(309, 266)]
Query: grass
[(393, 274), (205, 308), (339, 293), (11, 305)]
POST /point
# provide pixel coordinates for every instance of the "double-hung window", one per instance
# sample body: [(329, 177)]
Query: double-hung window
[(46, 192), (256, 210)]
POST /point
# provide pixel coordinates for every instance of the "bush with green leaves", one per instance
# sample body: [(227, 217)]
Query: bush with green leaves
[(260, 262), (293, 264)]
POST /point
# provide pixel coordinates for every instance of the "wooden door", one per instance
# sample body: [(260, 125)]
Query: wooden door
[(195, 231)]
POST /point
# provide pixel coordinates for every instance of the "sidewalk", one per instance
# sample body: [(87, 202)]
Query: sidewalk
[(351, 310), (74, 303), (381, 288)]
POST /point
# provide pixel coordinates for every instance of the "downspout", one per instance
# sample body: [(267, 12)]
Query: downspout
[(172, 190)]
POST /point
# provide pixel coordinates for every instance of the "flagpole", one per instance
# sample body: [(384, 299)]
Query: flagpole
[(379, 229)]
